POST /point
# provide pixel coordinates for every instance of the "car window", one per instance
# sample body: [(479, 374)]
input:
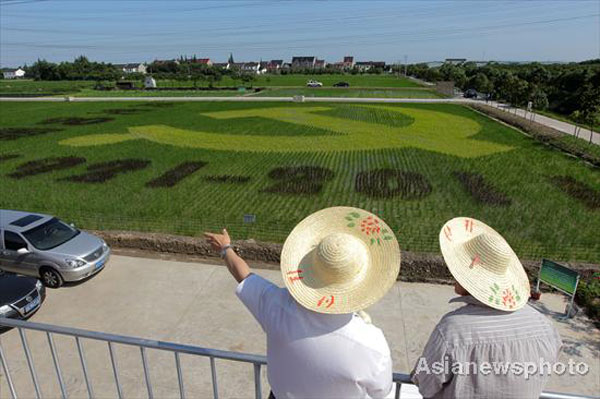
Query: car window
[(13, 241), (50, 234)]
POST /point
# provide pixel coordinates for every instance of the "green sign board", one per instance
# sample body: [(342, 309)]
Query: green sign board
[(559, 276)]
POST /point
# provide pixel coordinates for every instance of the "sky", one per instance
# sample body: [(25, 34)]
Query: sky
[(121, 31)]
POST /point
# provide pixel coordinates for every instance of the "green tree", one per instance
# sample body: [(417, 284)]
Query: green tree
[(481, 83), (590, 107), (247, 78)]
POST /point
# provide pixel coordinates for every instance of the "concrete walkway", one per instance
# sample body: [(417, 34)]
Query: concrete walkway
[(564, 127), (195, 304)]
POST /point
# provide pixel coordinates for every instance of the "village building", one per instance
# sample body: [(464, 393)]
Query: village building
[(364, 66), (132, 68), (274, 65), (13, 73), (320, 64), (202, 61), (304, 62)]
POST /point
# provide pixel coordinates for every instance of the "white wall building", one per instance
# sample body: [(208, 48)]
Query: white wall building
[(132, 68), (11, 73)]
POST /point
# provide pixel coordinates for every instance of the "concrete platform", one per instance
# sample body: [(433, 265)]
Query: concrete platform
[(191, 303)]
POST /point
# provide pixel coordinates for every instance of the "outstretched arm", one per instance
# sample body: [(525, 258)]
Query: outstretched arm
[(221, 243)]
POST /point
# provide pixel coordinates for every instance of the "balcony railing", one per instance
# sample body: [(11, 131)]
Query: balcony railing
[(257, 361)]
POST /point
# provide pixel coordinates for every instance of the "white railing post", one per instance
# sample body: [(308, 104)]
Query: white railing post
[(61, 382), (84, 368), (30, 363), (4, 362)]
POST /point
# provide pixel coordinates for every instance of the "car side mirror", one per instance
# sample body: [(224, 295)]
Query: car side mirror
[(23, 251)]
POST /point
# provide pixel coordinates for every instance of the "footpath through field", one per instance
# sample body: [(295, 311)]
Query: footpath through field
[(564, 127), (195, 304)]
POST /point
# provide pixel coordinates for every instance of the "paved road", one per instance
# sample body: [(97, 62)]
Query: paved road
[(192, 303)]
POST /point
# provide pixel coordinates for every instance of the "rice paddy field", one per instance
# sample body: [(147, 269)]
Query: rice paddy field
[(259, 168), (350, 92), (383, 86)]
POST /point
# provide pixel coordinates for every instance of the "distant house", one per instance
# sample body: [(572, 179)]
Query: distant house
[(12, 73), (319, 64), (346, 64), (132, 68), (455, 61), (253, 67), (364, 66), (303, 62), (274, 65), (202, 61)]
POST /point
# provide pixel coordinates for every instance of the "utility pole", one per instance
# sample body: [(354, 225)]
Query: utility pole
[(405, 64)]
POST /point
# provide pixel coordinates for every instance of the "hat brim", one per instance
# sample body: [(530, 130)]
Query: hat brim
[(378, 276), (509, 291)]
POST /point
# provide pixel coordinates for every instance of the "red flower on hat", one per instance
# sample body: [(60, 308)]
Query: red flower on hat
[(369, 226), (508, 299)]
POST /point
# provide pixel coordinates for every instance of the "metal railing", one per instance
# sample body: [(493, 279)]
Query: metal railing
[(258, 361)]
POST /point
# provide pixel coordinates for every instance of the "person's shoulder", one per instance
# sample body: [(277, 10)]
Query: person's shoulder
[(367, 335), (534, 315), (257, 286)]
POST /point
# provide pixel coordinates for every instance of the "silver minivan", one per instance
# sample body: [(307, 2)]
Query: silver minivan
[(43, 246)]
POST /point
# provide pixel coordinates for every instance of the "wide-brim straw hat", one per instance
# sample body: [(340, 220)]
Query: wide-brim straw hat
[(340, 260), (481, 260)]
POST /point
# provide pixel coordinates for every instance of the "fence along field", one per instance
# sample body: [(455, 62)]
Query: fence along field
[(185, 167)]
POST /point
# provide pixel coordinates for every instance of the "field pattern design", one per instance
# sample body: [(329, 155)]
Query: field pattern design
[(429, 130), (185, 168)]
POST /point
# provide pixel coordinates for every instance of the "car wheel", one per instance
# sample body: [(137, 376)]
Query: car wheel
[(51, 278)]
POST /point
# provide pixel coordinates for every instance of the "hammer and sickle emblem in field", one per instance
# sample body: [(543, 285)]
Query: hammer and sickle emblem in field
[(431, 130)]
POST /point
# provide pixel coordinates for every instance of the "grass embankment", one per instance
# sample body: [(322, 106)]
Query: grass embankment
[(183, 168)]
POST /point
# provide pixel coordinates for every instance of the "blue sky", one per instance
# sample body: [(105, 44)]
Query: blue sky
[(425, 30)]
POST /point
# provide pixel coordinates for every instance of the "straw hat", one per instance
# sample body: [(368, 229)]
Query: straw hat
[(340, 260), (485, 265)]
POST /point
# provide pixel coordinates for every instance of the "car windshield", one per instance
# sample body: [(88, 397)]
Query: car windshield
[(50, 234)]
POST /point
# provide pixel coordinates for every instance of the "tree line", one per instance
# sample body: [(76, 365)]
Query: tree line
[(571, 89)]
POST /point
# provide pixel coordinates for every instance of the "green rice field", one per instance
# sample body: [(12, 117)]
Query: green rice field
[(183, 168), (350, 92), (380, 86)]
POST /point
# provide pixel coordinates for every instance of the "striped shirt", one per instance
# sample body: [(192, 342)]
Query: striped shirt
[(480, 352)]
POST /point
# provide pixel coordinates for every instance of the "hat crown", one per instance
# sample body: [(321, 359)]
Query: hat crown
[(491, 251), (340, 258)]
